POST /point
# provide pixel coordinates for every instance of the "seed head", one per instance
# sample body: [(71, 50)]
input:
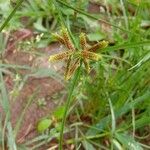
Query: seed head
[(59, 38), (91, 55), (66, 39), (60, 56), (97, 46), (75, 58), (83, 42), (72, 69)]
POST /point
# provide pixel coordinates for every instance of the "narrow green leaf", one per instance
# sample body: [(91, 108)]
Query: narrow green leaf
[(128, 142), (4, 100), (87, 145), (43, 125), (11, 138), (127, 45), (58, 113)]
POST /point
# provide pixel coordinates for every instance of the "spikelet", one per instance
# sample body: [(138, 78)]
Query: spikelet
[(66, 39), (68, 66), (60, 56), (90, 55), (83, 42), (58, 38), (97, 46), (87, 66), (72, 69)]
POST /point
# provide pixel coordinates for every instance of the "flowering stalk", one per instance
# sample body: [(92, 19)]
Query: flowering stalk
[(68, 101), (74, 58)]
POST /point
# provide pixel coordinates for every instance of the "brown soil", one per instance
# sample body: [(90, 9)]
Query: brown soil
[(35, 87)]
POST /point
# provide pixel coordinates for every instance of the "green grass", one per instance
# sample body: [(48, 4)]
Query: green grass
[(111, 105)]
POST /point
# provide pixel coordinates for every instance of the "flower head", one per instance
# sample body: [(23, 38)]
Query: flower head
[(75, 57)]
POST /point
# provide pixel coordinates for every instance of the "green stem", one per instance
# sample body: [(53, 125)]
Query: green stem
[(90, 137), (62, 21), (76, 77), (11, 15)]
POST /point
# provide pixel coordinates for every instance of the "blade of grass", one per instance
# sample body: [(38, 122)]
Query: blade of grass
[(113, 124), (117, 58), (5, 106), (113, 121), (36, 139), (128, 142), (144, 146), (3, 131), (124, 14), (5, 99), (19, 2), (143, 60), (118, 113), (127, 45), (11, 137), (133, 120), (18, 124), (117, 144), (3, 39), (15, 66)]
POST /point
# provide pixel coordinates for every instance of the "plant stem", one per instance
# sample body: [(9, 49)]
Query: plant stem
[(76, 77), (62, 20), (11, 15), (63, 24)]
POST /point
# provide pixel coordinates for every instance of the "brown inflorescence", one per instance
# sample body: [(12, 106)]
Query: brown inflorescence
[(74, 56)]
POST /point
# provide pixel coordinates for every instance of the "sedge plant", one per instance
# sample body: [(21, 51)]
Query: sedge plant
[(74, 58)]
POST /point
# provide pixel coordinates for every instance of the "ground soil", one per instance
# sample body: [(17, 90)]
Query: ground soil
[(44, 87)]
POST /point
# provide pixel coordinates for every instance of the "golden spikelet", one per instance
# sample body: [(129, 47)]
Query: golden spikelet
[(58, 38), (97, 46), (91, 55), (60, 56), (72, 69), (68, 66), (66, 39), (83, 42)]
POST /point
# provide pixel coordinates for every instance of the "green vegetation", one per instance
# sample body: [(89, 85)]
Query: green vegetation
[(106, 107)]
